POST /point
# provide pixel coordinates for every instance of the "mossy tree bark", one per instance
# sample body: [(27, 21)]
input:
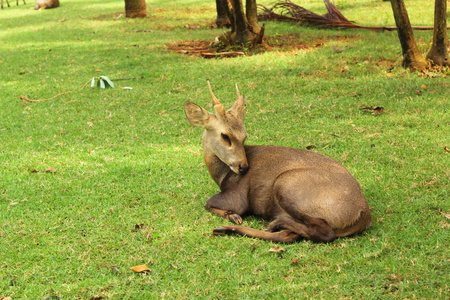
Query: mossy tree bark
[(412, 58), (438, 53), (135, 9)]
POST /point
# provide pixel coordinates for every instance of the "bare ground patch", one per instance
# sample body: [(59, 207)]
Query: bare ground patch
[(284, 43)]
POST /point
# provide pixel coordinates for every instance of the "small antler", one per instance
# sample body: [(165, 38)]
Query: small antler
[(239, 96), (218, 107), (215, 100)]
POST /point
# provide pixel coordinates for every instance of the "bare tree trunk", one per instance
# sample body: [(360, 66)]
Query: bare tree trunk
[(438, 53), (252, 14), (223, 10), (135, 9), (244, 25), (412, 58)]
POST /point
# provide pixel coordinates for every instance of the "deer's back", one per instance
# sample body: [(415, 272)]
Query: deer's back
[(308, 176)]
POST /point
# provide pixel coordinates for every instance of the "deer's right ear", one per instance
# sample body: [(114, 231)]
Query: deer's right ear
[(196, 115)]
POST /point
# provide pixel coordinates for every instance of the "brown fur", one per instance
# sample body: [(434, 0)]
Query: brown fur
[(305, 194), (44, 4)]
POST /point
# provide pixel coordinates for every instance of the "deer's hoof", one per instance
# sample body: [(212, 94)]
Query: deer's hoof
[(235, 218)]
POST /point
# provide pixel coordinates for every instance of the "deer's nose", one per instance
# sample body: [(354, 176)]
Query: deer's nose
[(243, 169)]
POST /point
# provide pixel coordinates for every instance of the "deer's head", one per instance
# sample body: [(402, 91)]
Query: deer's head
[(224, 131)]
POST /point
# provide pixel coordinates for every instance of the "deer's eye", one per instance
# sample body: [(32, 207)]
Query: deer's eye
[(226, 138)]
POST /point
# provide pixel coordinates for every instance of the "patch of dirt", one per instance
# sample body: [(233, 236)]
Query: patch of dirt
[(193, 48), (285, 43)]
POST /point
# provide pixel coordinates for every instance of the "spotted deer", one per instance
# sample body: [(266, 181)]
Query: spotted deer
[(306, 195)]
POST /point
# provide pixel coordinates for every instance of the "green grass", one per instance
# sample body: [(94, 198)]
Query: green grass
[(128, 157)]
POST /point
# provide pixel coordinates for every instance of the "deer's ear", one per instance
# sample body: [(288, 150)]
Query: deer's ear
[(196, 115)]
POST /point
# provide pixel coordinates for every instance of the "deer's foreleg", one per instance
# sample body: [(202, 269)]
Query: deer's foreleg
[(227, 214), (227, 206), (283, 236)]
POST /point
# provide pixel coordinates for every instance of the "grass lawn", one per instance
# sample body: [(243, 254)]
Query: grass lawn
[(95, 181)]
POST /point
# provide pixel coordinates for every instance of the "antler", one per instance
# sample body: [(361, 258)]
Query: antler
[(218, 107), (239, 96), (215, 100)]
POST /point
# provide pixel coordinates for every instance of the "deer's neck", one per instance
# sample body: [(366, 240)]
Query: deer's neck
[(218, 170)]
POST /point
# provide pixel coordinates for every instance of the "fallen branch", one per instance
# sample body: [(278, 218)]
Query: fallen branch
[(121, 79), (289, 11), (23, 98), (223, 54), (41, 100)]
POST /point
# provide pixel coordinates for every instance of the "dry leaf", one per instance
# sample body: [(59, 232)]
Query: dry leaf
[(446, 149), (50, 169), (137, 227), (295, 260), (34, 171), (444, 214), (374, 109), (277, 249), (423, 86), (140, 269)]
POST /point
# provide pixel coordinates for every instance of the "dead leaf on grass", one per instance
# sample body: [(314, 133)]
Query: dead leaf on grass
[(446, 149), (444, 214), (376, 110), (140, 269), (50, 169), (277, 249), (34, 171), (295, 260), (137, 227)]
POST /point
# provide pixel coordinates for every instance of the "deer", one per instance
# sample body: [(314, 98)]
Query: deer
[(304, 194), (44, 4), (7, 2)]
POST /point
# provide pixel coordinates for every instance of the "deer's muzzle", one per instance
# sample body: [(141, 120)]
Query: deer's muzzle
[(243, 169)]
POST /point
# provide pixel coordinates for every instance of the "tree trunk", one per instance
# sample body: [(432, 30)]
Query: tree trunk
[(252, 14), (412, 58), (244, 26), (135, 9), (438, 53), (223, 10)]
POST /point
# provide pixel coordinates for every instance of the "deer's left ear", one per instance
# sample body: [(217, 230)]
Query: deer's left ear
[(196, 115), (238, 108)]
